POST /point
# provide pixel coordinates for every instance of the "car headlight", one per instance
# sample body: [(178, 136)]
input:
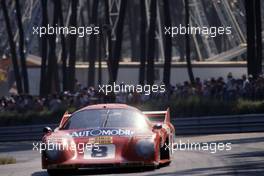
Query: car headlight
[(53, 154), (57, 148), (145, 148)]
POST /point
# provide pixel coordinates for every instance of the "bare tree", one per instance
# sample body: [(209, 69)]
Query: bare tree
[(12, 48), (118, 44), (63, 49), (92, 45), (179, 13), (52, 72), (108, 40), (44, 50), (251, 53), (143, 24), (101, 47), (72, 46), (151, 42), (133, 29), (168, 45), (21, 48), (187, 43), (258, 23), (254, 37), (84, 42)]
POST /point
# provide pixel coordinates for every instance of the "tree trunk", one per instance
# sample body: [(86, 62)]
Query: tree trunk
[(21, 48), (63, 48), (52, 72), (119, 37), (151, 42), (254, 37), (180, 41), (92, 46), (133, 29), (258, 38), (44, 50), (72, 53), (84, 45), (108, 41), (187, 43), (143, 25), (168, 45), (12, 48), (100, 55), (251, 55)]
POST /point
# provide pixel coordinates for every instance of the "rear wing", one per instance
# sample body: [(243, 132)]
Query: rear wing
[(158, 116)]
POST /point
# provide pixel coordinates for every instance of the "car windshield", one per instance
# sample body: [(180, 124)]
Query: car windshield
[(106, 118)]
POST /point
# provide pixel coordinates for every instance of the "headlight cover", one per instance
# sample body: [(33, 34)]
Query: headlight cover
[(56, 148), (53, 154), (145, 148)]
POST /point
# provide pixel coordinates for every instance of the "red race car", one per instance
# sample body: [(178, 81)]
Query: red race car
[(108, 135)]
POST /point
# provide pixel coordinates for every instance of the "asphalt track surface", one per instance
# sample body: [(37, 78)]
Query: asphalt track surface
[(245, 158)]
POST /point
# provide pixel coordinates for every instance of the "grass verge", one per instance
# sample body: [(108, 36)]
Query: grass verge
[(7, 160)]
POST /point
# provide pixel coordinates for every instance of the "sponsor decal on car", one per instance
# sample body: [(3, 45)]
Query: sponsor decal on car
[(102, 132), (101, 140), (101, 152)]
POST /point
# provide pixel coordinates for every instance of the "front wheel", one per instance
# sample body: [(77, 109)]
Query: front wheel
[(53, 172), (164, 151), (60, 172)]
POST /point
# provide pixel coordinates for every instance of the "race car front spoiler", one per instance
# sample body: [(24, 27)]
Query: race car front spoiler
[(104, 165)]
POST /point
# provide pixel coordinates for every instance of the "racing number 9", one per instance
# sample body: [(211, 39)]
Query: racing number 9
[(100, 151)]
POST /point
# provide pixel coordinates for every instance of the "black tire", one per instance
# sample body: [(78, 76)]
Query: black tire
[(164, 151), (53, 172), (60, 172)]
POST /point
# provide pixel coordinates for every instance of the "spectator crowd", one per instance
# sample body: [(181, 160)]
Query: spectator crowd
[(228, 89)]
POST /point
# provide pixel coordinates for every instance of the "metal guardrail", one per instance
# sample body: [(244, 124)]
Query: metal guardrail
[(183, 126), (23, 133), (219, 124)]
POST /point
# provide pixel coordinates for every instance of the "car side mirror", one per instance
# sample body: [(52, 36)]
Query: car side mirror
[(47, 130), (157, 126)]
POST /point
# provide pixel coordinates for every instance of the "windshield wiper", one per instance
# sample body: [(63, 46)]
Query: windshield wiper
[(106, 119)]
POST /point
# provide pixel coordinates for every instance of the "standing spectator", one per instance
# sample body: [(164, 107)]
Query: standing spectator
[(55, 104)]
